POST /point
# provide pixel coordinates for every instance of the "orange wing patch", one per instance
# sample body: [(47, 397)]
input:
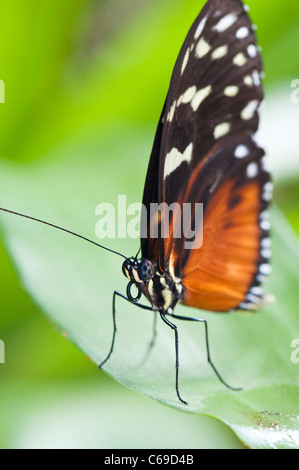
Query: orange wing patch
[(218, 275)]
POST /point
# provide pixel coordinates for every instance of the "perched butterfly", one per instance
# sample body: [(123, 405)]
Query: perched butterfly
[(205, 152)]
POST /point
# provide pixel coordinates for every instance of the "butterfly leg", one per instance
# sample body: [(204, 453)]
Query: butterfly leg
[(153, 340), (115, 293), (176, 336), (202, 320)]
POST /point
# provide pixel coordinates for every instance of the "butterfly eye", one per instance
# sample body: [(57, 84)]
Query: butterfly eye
[(145, 270), (127, 269)]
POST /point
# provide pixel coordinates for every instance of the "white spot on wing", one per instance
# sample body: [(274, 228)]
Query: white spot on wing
[(221, 130), (219, 52), (266, 254), (252, 170), (225, 22), (265, 225), (248, 80), (241, 151), (202, 48), (266, 242), (185, 61), (242, 33), (249, 110), (252, 298), (248, 306), (265, 269), (260, 278), (240, 59), (256, 78), (175, 158), (200, 28), (170, 115), (256, 290), (267, 191), (200, 96), (192, 96), (252, 51), (187, 96), (231, 91)]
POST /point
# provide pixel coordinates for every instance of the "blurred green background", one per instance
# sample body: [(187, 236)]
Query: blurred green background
[(70, 67)]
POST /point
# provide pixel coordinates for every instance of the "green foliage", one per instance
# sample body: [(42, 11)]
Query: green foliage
[(83, 90), (73, 284)]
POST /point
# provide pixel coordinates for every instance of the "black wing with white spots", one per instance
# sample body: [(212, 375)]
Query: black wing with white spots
[(205, 145)]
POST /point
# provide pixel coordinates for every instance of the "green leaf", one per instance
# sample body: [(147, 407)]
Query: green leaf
[(73, 282)]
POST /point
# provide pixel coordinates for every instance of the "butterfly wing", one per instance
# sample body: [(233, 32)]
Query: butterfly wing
[(205, 152), (226, 271), (150, 246)]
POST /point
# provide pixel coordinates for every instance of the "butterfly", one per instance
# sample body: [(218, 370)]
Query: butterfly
[(205, 153)]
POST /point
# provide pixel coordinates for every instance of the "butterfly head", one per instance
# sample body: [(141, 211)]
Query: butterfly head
[(138, 271)]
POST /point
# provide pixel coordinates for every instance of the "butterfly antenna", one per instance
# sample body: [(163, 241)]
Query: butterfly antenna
[(62, 229)]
